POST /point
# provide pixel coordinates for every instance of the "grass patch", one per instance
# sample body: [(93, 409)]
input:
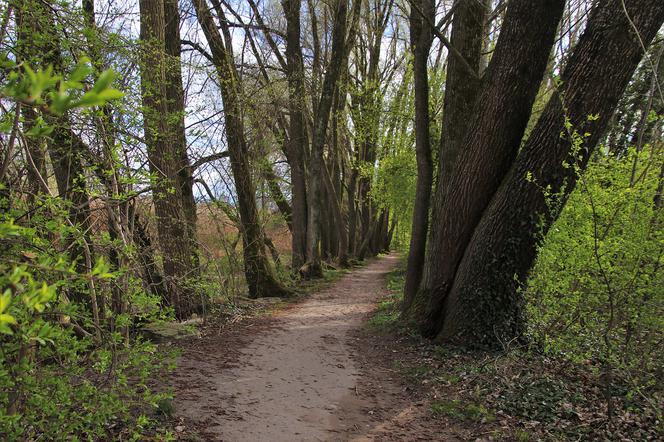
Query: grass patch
[(331, 275), (388, 312), (415, 374), (448, 378), (459, 410), (386, 315), (397, 278)]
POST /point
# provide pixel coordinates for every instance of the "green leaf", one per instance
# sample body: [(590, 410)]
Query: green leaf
[(40, 128), (80, 72), (60, 101), (110, 94), (90, 98), (4, 327), (104, 81), (5, 300)]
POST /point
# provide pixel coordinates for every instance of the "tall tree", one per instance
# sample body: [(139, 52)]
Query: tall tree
[(421, 37), (500, 116), (176, 109), (298, 141), (161, 89), (484, 305), (260, 277), (320, 128), (462, 83)]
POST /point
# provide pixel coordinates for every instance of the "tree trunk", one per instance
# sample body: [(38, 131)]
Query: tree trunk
[(485, 306), (500, 117), (260, 277), (176, 109), (461, 88), (297, 145), (163, 140), (420, 40), (312, 267)]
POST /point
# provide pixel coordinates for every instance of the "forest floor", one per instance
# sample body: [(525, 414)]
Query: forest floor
[(306, 371)]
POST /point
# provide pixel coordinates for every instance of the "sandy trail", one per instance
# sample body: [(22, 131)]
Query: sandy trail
[(296, 379)]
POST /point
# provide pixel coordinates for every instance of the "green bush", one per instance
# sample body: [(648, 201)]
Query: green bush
[(60, 373), (596, 294), (69, 367)]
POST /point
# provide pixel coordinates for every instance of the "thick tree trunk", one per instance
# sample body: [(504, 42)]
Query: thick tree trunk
[(164, 144), (461, 88), (152, 277), (260, 277), (176, 109), (501, 113), (484, 306), (312, 267), (298, 143), (420, 41)]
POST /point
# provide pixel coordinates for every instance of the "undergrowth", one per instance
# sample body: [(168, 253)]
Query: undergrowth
[(518, 394)]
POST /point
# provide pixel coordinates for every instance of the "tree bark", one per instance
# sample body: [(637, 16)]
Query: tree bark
[(499, 119), (468, 29), (312, 267), (298, 142), (260, 277), (421, 38), (164, 145), (460, 95), (176, 109), (484, 305)]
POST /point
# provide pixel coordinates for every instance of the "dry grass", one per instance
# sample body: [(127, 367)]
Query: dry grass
[(217, 233)]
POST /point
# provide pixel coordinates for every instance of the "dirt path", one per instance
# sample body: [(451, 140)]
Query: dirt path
[(298, 375)]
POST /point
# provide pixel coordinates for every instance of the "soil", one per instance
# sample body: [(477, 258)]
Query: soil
[(307, 372)]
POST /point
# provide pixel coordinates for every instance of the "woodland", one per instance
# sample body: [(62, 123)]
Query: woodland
[(167, 162)]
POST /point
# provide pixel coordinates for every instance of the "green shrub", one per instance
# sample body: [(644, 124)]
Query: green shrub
[(60, 373), (596, 294), (69, 368)]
